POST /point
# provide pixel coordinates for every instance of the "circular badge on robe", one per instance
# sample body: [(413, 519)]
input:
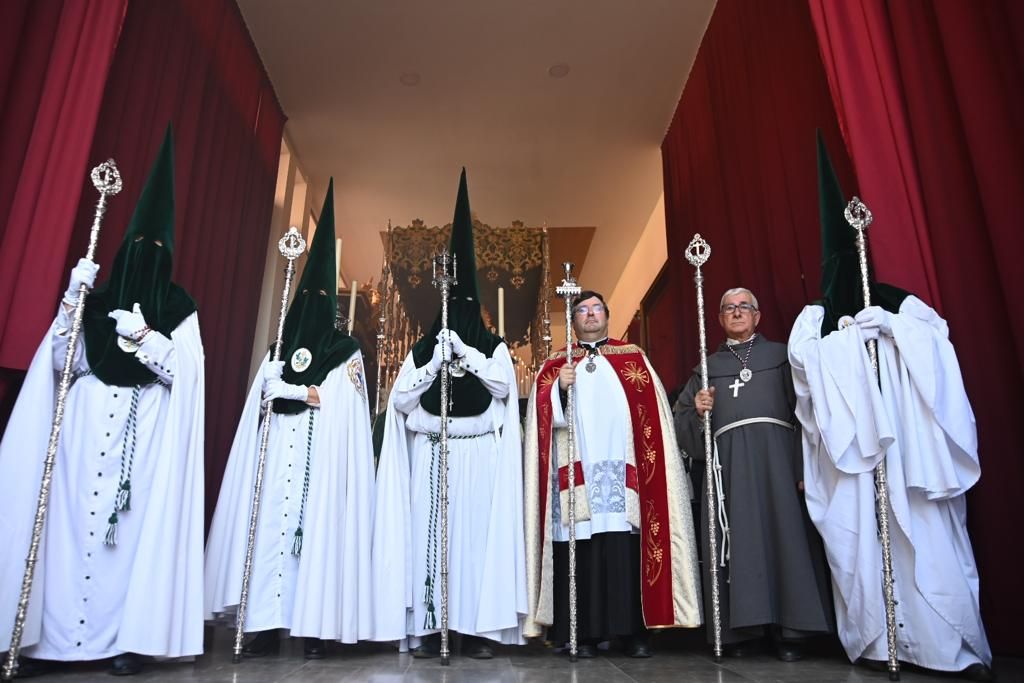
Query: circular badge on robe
[(846, 321), (127, 345), (301, 359)]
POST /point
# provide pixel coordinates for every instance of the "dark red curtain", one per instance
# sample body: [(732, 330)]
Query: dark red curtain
[(193, 64), (84, 81), (54, 58), (739, 166), (930, 95)]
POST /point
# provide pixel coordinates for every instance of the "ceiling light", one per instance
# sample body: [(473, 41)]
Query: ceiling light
[(558, 71), (410, 78)]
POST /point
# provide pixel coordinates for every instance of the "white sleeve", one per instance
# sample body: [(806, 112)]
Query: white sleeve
[(490, 371), (157, 354), (411, 384)]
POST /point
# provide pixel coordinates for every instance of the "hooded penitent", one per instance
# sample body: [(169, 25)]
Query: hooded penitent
[(841, 289), (311, 346), (141, 274), (469, 395)]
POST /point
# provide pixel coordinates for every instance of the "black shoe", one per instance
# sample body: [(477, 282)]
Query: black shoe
[(30, 668), (639, 647), (262, 644), (430, 647), (585, 650), (127, 664), (476, 647), (788, 651), (739, 650), (977, 672), (314, 648), (872, 664)]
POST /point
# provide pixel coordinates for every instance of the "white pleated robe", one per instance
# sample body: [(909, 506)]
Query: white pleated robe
[(921, 422), (90, 600), (487, 565), (325, 591)]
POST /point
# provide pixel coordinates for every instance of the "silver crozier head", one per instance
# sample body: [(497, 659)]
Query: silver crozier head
[(858, 215), (106, 178), (698, 251), (291, 245)]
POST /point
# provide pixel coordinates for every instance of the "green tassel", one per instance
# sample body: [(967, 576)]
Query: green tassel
[(111, 538), (297, 542), (124, 497)]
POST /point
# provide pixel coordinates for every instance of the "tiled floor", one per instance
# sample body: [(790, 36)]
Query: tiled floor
[(679, 656)]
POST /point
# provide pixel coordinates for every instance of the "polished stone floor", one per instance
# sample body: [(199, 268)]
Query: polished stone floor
[(679, 656)]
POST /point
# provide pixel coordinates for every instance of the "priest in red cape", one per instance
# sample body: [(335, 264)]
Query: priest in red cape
[(636, 557)]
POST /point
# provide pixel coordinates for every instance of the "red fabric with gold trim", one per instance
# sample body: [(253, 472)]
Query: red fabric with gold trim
[(648, 478)]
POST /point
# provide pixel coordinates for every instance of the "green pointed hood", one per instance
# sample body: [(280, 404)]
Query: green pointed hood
[(309, 324), (841, 290), (470, 396), (141, 274)]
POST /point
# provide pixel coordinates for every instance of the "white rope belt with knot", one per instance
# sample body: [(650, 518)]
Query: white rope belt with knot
[(716, 466)]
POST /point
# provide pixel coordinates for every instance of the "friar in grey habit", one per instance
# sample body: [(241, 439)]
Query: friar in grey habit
[(772, 567)]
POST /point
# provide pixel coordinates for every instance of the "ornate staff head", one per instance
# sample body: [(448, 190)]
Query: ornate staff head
[(106, 178), (292, 245), (858, 215)]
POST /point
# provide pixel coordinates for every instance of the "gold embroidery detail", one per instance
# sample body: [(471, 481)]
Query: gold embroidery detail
[(545, 381), (606, 350), (654, 554), (636, 375), (649, 456)]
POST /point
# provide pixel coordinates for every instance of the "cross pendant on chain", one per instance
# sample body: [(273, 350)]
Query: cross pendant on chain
[(735, 386)]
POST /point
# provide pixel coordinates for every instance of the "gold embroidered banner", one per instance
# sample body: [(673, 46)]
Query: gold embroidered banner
[(511, 258)]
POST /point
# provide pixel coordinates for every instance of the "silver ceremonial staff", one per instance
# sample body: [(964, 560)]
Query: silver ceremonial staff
[(291, 247), (697, 253), (567, 290), (443, 279), (859, 218), (107, 181)]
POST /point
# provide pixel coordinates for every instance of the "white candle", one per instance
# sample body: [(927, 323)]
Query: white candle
[(352, 306), (337, 261), (501, 312)]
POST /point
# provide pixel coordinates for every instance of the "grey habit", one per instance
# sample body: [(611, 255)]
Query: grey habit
[(775, 574)]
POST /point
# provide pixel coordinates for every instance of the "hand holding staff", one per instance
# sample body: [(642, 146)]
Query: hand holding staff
[(107, 181), (291, 247), (697, 253), (859, 218), (568, 290)]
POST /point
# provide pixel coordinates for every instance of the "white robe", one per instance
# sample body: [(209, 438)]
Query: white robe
[(487, 565), (325, 591), (90, 600), (921, 421)]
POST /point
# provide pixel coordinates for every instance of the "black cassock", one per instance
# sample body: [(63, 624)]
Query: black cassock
[(775, 574)]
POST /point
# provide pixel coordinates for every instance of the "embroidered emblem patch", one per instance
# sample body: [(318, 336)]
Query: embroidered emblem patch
[(301, 359), (355, 375)]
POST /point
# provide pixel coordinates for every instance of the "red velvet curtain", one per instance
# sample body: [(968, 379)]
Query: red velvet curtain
[(192, 63), (739, 167), (87, 80), (930, 95), (54, 58)]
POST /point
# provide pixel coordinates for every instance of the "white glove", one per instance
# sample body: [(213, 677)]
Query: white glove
[(455, 342), (131, 325), (271, 371), (438, 357), (874, 318), (82, 274), (278, 388)]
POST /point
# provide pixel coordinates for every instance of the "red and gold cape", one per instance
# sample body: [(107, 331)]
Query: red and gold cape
[(658, 500)]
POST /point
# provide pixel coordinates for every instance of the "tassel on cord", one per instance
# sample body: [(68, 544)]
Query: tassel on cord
[(297, 542), (111, 538)]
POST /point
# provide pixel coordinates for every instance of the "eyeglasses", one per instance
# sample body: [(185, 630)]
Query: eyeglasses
[(596, 309), (743, 308)]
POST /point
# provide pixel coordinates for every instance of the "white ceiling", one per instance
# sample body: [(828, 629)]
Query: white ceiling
[(583, 150)]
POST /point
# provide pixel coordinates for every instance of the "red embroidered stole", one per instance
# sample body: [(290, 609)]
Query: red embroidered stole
[(648, 478)]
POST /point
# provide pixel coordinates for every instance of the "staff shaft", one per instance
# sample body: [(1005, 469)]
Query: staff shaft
[(107, 180)]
